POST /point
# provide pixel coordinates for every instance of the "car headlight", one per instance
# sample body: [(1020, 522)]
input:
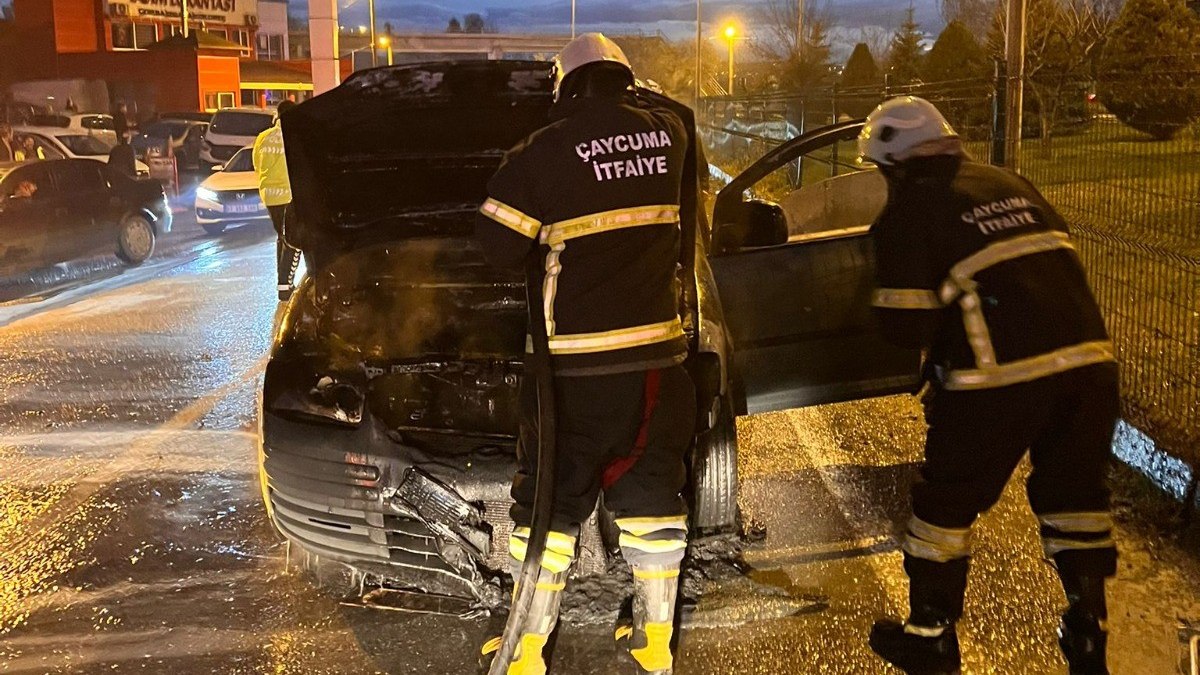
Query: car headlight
[(206, 194)]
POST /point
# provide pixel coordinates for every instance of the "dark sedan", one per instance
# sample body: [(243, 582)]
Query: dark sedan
[(68, 209), (390, 401)]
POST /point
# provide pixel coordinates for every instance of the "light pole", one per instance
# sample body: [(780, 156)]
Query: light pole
[(371, 11), (572, 19), (386, 42), (731, 36), (699, 49)]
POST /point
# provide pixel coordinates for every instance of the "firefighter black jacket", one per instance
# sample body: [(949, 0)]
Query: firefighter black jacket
[(599, 192), (976, 267)]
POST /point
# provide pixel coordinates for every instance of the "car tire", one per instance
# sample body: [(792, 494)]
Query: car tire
[(715, 476), (213, 229), (135, 239)]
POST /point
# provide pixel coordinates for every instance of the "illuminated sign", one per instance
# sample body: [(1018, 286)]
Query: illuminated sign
[(228, 12)]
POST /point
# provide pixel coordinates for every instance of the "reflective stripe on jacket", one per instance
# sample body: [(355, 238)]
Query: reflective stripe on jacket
[(271, 165), (598, 193), (974, 265)]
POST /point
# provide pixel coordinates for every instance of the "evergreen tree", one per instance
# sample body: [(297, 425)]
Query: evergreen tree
[(1150, 69), (474, 23), (905, 52), (455, 26), (861, 70), (956, 56)]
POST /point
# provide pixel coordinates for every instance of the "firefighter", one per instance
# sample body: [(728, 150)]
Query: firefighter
[(276, 191), (976, 268), (596, 195)]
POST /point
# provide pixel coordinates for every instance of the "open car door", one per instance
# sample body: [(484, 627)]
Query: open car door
[(795, 282)]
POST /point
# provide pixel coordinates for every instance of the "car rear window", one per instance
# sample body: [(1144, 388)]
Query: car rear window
[(240, 124), (164, 129)]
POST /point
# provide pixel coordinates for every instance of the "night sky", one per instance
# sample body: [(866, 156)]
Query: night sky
[(675, 18)]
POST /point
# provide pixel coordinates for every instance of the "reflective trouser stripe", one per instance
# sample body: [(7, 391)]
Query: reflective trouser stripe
[(938, 544), (609, 221), (652, 541), (558, 555), (623, 338), (1032, 368), (1076, 531), (511, 218), (906, 298)]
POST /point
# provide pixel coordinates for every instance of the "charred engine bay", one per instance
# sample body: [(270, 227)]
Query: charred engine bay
[(428, 337)]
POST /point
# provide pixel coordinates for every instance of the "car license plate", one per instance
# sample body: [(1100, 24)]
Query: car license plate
[(243, 208)]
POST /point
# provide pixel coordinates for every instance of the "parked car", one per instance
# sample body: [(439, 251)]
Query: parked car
[(231, 130), (84, 121), (184, 137), (230, 195), (390, 405), (67, 209), (188, 116), (64, 142)]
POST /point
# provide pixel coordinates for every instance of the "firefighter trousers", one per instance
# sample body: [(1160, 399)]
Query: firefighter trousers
[(287, 258), (976, 440), (625, 434)]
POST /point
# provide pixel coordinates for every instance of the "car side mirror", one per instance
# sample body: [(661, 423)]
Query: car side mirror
[(218, 167), (750, 224)]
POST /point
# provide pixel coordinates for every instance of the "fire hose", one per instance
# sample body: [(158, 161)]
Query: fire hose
[(537, 364)]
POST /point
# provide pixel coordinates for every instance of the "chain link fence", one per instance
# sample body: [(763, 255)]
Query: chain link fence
[(1133, 202)]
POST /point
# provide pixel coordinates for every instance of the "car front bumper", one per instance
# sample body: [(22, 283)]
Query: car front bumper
[(337, 493)]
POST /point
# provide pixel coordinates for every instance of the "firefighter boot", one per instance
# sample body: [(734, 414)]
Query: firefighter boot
[(655, 588), (530, 657), (917, 648), (537, 633), (1082, 635)]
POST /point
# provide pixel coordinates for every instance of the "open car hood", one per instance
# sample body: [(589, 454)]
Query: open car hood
[(407, 151)]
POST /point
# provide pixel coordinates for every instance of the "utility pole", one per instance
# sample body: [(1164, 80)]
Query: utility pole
[(800, 29), (572, 19), (371, 11), (699, 50), (1014, 48), (183, 15), (731, 35)]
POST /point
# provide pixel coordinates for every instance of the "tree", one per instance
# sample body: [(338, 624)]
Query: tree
[(803, 60), (861, 69), (957, 73), (474, 23), (454, 26), (905, 53), (955, 56), (1150, 70), (862, 82), (975, 15), (1062, 43)]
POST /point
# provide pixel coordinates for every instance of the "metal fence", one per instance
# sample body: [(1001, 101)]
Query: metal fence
[(1133, 202)]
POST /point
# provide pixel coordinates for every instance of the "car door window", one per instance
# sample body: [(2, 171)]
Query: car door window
[(31, 182), (798, 311), (80, 177), (48, 149)]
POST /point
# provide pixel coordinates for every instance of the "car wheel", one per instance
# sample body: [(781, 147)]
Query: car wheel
[(213, 229), (715, 476), (135, 240)]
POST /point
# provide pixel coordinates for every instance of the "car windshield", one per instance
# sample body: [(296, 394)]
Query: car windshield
[(83, 145), (240, 124), (242, 162)]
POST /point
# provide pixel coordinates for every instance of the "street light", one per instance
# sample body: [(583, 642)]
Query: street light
[(386, 43), (731, 35)]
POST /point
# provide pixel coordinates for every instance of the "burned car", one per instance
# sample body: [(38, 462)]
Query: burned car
[(390, 401)]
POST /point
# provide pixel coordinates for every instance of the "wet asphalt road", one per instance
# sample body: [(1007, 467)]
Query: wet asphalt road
[(132, 536)]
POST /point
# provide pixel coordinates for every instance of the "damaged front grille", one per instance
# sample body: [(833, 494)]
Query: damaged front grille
[(464, 539)]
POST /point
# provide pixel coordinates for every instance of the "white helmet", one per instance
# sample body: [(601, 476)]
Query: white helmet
[(585, 49), (905, 127)]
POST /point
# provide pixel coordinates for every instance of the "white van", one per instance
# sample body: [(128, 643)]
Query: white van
[(231, 130)]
